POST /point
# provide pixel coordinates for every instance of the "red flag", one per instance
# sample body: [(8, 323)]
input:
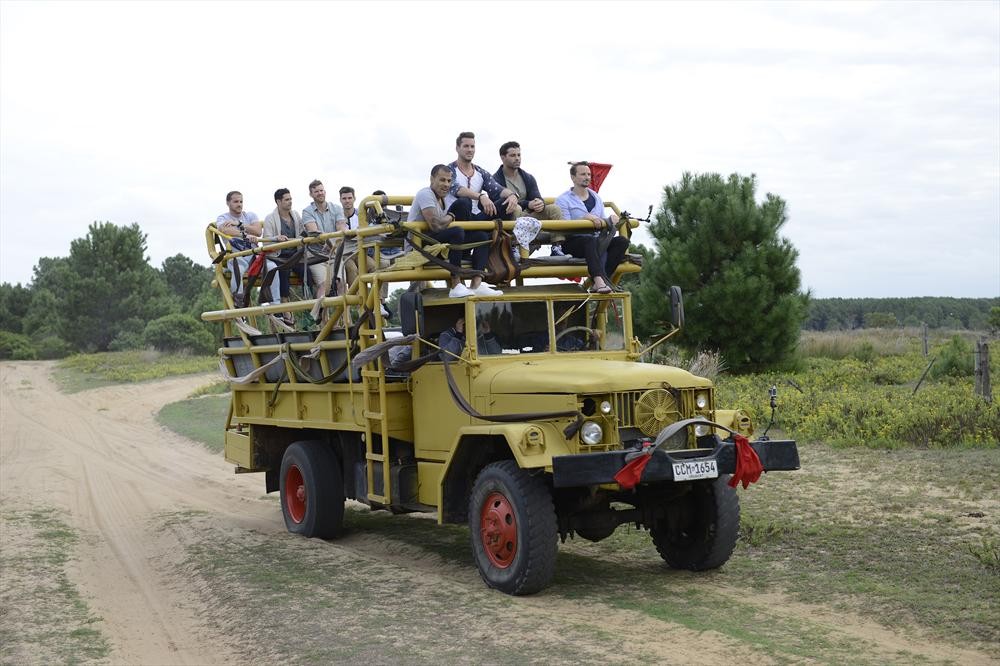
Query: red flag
[(748, 467), (628, 476), (598, 172)]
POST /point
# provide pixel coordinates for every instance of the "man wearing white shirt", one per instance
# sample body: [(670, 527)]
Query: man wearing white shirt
[(244, 229)]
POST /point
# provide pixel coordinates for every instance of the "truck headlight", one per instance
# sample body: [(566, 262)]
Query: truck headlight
[(591, 433), (605, 407), (701, 430), (701, 400)]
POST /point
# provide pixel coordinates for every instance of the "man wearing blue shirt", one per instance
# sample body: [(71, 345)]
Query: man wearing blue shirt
[(582, 203)]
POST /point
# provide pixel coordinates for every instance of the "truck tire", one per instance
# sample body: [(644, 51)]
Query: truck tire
[(512, 522), (312, 490), (701, 528)]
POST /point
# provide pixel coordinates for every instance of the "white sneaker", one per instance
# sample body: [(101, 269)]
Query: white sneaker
[(486, 290), (460, 291)]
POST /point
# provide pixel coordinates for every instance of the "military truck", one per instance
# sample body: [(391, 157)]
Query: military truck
[(523, 434)]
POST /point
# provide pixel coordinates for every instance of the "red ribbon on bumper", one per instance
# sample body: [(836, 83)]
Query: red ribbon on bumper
[(748, 467), (629, 475)]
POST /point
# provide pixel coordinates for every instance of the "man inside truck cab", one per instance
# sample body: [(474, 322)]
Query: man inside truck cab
[(452, 340), (429, 206)]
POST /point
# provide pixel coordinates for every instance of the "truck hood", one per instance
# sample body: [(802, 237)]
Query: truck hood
[(583, 376)]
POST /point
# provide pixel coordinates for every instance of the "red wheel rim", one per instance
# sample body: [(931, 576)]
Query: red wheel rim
[(295, 494), (498, 530)]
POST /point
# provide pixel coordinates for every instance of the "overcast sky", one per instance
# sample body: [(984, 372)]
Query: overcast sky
[(878, 123)]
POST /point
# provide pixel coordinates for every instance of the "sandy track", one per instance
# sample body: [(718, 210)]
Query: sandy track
[(100, 458)]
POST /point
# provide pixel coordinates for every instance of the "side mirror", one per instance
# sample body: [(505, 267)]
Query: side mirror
[(676, 307)]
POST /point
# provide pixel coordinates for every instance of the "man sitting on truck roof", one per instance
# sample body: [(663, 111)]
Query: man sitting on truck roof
[(474, 193), (602, 250), (323, 217), (284, 223), (244, 229), (429, 206), (523, 184), (351, 262)]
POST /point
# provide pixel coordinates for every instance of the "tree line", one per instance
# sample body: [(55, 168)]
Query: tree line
[(834, 314), (105, 296)]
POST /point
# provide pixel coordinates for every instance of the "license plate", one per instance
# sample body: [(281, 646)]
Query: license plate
[(695, 469)]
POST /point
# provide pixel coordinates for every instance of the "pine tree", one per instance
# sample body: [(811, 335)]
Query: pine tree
[(741, 286)]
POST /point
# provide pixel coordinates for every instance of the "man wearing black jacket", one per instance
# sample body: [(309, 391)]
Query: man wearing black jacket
[(523, 184)]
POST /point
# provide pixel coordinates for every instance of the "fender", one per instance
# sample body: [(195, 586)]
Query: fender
[(531, 445)]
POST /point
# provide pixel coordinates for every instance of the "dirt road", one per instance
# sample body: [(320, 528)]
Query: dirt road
[(99, 459)]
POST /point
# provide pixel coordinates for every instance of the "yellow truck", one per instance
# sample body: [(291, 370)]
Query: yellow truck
[(527, 429)]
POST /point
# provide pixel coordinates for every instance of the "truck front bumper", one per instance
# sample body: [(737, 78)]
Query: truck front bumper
[(588, 469)]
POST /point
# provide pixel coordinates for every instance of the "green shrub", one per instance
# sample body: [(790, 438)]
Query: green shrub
[(129, 336), (16, 347), (179, 332), (52, 346), (872, 404), (954, 359), (865, 352)]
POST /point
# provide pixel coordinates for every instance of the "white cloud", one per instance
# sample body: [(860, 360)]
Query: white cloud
[(878, 123)]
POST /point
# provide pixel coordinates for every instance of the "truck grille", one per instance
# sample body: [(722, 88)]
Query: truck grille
[(652, 410)]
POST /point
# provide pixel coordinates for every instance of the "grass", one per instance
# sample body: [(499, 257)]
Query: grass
[(214, 388), (86, 371), (51, 623), (202, 419), (902, 536), (867, 343), (903, 539)]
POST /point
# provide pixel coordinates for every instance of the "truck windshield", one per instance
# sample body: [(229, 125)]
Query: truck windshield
[(522, 327)]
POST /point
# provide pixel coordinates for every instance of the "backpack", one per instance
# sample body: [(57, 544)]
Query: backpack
[(501, 266)]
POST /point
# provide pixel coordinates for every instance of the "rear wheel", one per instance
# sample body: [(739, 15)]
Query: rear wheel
[(512, 522), (700, 528), (312, 490)]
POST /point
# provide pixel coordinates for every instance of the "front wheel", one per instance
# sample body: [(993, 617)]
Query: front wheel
[(700, 528), (312, 490), (512, 522)]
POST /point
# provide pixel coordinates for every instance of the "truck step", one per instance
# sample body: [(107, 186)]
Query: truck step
[(375, 457)]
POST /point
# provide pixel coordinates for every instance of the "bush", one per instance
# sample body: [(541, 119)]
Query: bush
[(52, 346), (706, 364), (851, 402), (954, 359), (179, 332), (16, 347)]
